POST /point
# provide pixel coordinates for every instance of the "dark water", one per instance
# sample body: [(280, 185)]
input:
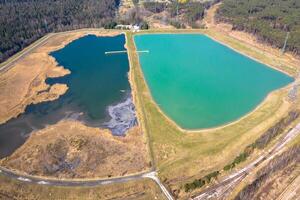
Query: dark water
[(98, 94)]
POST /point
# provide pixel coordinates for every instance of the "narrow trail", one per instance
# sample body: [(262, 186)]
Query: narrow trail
[(222, 189), (10, 62)]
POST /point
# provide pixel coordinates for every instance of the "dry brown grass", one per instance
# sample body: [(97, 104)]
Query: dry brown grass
[(263, 52), (25, 82), (70, 149), (279, 184), (133, 190)]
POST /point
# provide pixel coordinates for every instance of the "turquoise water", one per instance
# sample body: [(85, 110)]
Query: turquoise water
[(200, 83), (98, 94)]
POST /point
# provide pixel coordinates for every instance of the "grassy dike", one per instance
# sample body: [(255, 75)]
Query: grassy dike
[(181, 156)]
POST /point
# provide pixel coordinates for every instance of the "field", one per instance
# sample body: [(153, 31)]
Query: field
[(69, 150), (281, 177), (142, 189), (181, 156)]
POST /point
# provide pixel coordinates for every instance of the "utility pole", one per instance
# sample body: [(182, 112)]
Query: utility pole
[(46, 25), (293, 93), (177, 10), (285, 42)]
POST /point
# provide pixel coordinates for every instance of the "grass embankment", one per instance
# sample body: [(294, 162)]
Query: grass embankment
[(142, 189), (182, 156), (279, 62), (276, 179), (263, 142)]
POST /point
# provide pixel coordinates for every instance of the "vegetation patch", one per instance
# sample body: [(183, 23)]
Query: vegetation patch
[(33, 19), (260, 143), (270, 20), (155, 7), (265, 139), (275, 130), (198, 183), (289, 157), (70, 149)]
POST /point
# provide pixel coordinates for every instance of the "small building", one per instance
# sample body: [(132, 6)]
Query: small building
[(122, 26), (134, 28)]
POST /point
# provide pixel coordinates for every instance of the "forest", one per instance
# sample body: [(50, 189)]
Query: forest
[(269, 20), (24, 21)]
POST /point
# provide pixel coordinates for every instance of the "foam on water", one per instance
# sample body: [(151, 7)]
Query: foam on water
[(123, 117)]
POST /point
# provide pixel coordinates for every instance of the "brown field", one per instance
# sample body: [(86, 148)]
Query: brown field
[(281, 183), (70, 149)]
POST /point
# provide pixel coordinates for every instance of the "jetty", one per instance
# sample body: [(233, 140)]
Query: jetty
[(124, 51)]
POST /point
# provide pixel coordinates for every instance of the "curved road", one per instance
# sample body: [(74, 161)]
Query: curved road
[(60, 182)]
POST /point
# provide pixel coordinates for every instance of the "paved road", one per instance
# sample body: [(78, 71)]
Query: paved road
[(153, 176), (61, 182), (10, 62), (223, 189), (57, 182)]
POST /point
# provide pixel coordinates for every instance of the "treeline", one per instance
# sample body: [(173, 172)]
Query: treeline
[(24, 21), (264, 139), (269, 20), (290, 157), (198, 183), (181, 13), (260, 143)]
